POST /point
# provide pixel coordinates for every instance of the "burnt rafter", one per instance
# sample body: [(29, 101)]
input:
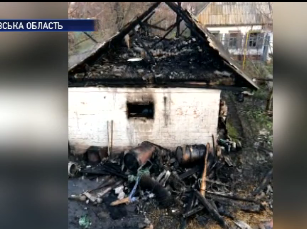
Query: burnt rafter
[(177, 20), (158, 22), (167, 33), (89, 36), (173, 62), (152, 59), (155, 27)]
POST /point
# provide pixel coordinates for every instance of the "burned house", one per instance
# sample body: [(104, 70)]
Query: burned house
[(166, 91)]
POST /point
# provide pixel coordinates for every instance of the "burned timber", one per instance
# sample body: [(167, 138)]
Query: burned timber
[(197, 62)]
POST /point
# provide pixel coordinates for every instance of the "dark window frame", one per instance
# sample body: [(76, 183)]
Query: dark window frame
[(233, 40), (254, 39), (140, 110)]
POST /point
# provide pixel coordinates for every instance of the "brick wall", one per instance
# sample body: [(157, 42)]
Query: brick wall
[(182, 116)]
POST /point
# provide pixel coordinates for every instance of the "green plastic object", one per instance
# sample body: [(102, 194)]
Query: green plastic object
[(140, 173), (84, 222)]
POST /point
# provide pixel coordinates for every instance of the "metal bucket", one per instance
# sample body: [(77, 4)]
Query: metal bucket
[(73, 169), (190, 154), (139, 155)]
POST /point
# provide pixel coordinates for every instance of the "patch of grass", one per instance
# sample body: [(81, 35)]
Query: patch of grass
[(262, 93), (261, 118), (257, 68), (232, 132), (269, 67), (263, 122)]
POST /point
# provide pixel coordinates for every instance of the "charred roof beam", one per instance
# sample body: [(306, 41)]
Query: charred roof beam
[(143, 83), (152, 59), (168, 32), (89, 36), (158, 22), (178, 10), (155, 27), (177, 20), (149, 16)]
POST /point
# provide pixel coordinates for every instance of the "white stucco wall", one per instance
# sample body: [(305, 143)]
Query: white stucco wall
[(244, 29), (189, 116)]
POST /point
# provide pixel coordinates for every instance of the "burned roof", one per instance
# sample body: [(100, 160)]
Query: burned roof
[(197, 61)]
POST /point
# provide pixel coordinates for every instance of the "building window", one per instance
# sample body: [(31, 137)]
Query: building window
[(233, 40), (140, 110), (254, 40)]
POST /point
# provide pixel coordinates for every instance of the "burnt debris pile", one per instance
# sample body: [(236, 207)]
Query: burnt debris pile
[(188, 181), (136, 57), (150, 60)]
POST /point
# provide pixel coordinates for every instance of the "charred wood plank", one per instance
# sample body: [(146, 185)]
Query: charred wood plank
[(223, 210), (189, 173), (155, 27), (148, 17), (183, 31), (227, 210), (158, 22), (186, 18), (188, 209), (247, 207), (160, 28), (193, 211), (89, 36), (146, 29), (177, 21), (186, 85), (264, 183), (212, 211), (152, 59), (143, 83), (162, 195), (131, 25), (165, 35), (106, 169), (191, 201), (233, 197)]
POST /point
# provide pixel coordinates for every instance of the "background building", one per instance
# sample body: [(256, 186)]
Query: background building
[(242, 27)]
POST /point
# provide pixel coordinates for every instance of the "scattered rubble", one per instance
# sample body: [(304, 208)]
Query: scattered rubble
[(189, 181)]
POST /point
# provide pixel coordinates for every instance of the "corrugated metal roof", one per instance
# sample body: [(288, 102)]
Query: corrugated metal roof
[(236, 13)]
